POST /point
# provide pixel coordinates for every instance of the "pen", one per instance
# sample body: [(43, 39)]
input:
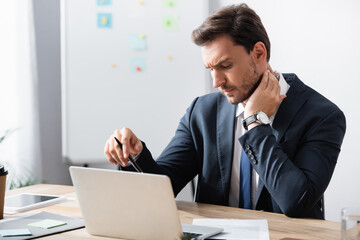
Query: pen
[(132, 161)]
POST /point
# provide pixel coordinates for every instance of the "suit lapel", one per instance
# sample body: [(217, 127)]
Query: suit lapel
[(290, 106), (287, 111), (225, 121)]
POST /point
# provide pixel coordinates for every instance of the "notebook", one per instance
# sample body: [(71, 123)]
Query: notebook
[(131, 205)]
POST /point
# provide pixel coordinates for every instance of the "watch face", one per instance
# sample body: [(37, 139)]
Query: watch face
[(263, 118)]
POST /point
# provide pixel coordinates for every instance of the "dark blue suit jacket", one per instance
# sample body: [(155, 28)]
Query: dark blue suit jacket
[(295, 157)]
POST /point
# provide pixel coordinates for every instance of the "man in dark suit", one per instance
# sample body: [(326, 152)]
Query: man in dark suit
[(266, 142)]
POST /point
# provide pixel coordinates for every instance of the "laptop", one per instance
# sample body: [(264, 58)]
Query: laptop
[(131, 205)]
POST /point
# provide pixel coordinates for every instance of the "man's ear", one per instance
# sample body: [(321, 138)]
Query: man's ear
[(259, 52)]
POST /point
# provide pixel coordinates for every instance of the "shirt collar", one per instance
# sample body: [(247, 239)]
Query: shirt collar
[(284, 87)]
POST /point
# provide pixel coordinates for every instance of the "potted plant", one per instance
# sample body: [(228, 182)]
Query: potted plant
[(14, 180)]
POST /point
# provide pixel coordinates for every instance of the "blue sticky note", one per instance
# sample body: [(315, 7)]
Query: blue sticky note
[(104, 2), (138, 65), (104, 20), (137, 42), (15, 232)]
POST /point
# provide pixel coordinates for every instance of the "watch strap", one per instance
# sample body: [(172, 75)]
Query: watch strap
[(249, 120)]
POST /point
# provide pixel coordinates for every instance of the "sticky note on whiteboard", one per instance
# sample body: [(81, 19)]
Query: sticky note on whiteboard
[(104, 20), (137, 42), (169, 3), (170, 23), (104, 2), (138, 65)]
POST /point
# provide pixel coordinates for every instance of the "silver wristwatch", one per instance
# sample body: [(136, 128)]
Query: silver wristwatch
[(259, 117)]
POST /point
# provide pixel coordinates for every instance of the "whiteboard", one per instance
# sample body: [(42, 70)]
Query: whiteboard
[(127, 64)]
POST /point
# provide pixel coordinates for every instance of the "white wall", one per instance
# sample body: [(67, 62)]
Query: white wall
[(319, 41)]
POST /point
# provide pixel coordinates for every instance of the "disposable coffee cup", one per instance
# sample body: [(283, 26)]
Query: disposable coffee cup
[(3, 174)]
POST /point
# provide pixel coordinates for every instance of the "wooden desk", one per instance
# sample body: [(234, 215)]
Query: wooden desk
[(280, 226)]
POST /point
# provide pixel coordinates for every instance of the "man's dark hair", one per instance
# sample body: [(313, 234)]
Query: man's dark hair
[(239, 22)]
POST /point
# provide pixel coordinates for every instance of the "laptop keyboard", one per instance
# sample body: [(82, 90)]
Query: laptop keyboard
[(189, 236)]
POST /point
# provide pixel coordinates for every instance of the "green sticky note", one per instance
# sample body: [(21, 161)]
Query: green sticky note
[(171, 23), (47, 223), (169, 3), (15, 232)]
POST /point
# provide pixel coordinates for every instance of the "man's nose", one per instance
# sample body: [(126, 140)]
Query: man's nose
[(218, 78)]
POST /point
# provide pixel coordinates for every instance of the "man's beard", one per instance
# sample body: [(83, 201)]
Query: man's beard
[(256, 84), (252, 90)]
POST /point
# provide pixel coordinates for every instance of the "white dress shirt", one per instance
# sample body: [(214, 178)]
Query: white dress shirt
[(235, 172)]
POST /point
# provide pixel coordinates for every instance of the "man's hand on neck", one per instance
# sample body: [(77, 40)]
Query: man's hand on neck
[(266, 97)]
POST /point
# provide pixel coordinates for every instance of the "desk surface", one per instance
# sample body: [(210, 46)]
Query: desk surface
[(280, 226)]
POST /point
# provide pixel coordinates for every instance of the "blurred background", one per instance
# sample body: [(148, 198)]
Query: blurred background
[(69, 70)]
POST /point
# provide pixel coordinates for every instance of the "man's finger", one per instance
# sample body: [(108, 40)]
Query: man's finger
[(125, 142), (112, 150), (107, 154), (138, 146), (118, 134), (270, 69), (265, 80), (118, 149), (271, 84), (274, 83)]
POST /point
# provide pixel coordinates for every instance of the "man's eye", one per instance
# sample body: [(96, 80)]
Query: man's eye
[(227, 66)]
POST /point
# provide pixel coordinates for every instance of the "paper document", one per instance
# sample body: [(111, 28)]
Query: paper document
[(237, 229)]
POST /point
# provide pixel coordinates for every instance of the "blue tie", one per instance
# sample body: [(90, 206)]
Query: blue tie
[(245, 181)]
